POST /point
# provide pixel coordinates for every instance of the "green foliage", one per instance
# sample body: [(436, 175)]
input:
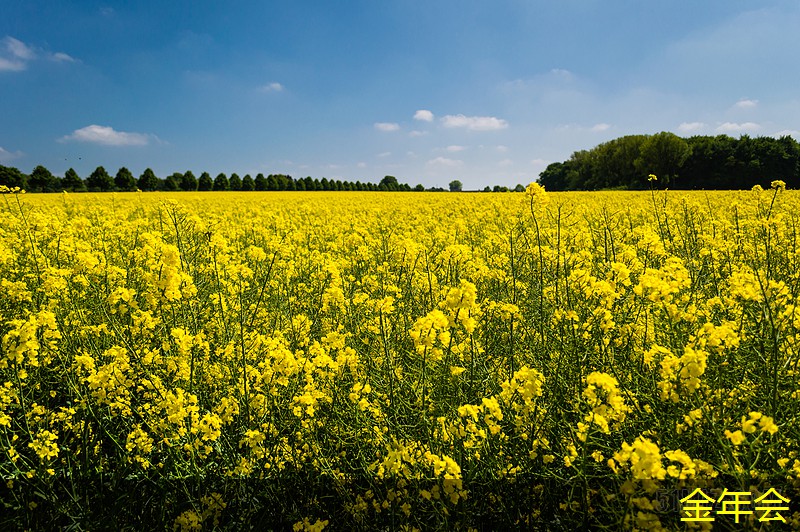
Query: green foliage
[(148, 181), (172, 183), (390, 182), (235, 182), (247, 184), (124, 180), (12, 177), (455, 185), (261, 183), (221, 182), (205, 183), (99, 181), (72, 182), (188, 181), (41, 180), (698, 162)]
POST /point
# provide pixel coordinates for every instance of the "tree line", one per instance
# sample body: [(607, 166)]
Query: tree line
[(42, 180), (697, 162)]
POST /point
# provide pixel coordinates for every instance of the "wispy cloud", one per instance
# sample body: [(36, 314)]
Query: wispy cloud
[(271, 87), (387, 126), (417, 133), (15, 55), (6, 156), (474, 123), (787, 133), (689, 127), (61, 57), (108, 136), (745, 103), (455, 148), (446, 162), (423, 115), (600, 127), (384, 154), (733, 127)]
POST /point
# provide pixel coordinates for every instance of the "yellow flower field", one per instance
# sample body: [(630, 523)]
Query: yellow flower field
[(400, 361)]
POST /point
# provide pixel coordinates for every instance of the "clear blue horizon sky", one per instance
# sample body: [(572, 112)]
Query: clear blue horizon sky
[(487, 92)]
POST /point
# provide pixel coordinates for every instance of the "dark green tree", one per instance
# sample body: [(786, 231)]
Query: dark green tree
[(221, 182), (148, 181), (662, 154), (260, 182), (100, 181), (247, 183), (188, 182), (41, 180), (205, 183), (172, 183), (456, 186), (12, 177), (390, 182), (124, 180), (72, 182), (554, 177), (235, 182)]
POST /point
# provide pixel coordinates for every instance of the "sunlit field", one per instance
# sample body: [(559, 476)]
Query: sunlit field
[(399, 361)]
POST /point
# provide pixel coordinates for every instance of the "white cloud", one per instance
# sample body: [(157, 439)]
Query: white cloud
[(423, 115), (15, 55), (6, 156), (745, 103), (787, 132), (361, 165), (271, 87), (505, 163), (455, 148), (562, 73), (733, 127), (475, 123), (107, 136), (687, 127), (19, 49), (61, 57), (600, 127), (417, 133), (384, 154), (387, 126), (501, 148), (444, 161)]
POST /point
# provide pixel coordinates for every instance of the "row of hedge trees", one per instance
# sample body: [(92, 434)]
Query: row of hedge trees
[(697, 162), (42, 180)]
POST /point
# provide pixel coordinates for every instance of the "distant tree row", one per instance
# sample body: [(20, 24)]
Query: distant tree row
[(698, 162), (42, 180), (498, 188)]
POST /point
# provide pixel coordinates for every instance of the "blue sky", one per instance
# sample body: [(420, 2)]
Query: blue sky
[(488, 92)]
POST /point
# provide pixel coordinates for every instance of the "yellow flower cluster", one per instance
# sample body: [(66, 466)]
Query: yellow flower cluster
[(384, 361)]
